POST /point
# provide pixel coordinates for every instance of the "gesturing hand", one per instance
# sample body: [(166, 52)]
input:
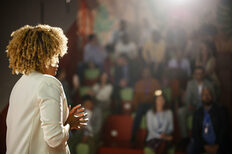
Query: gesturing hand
[(77, 117)]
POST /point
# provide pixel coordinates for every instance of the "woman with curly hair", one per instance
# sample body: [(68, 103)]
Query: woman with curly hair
[(38, 119)]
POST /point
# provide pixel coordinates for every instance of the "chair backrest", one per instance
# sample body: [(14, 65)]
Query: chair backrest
[(82, 148), (118, 128), (126, 107), (84, 90), (126, 94), (91, 74)]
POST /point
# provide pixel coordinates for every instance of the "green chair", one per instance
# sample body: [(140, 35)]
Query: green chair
[(84, 90), (189, 122), (82, 148), (143, 124), (171, 150), (148, 150), (126, 94), (91, 74)]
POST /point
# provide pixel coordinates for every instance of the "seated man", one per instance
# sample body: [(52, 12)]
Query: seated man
[(143, 98), (193, 97), (210, 127), (93, 52)]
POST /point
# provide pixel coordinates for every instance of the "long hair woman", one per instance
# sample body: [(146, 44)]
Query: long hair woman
[(159, 124), (38, 119)]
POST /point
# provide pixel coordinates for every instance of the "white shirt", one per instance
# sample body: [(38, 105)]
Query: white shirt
[(36, 116), (128, 49), (158, 123), (184, 64), (103, 94)]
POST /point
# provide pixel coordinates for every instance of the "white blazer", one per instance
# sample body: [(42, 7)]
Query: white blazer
[(36, 116)]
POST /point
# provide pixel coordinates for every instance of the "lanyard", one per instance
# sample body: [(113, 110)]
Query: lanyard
[(206, 122), (159, 123)]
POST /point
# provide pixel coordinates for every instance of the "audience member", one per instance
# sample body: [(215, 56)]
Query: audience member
[(121, 79), (207, 58), (143, 97), (93, 52), (92, 131), (118, 33), (193, 98), (159, 124), (179, 62), (126, 46), (102, 92), (145, 32), (154, 49), (195, 86), (109, 62), (210, 127)]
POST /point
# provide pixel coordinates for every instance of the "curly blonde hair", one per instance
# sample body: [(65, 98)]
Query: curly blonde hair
[(34, 48)]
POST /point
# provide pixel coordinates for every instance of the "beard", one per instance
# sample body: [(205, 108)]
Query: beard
[(207, 103)]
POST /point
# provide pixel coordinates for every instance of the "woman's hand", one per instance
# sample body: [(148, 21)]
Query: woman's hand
[(166, 137), (77, 117)]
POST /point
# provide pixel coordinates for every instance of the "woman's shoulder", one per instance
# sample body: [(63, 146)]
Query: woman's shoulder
[(46, 80), (150, 113), (50, 79)]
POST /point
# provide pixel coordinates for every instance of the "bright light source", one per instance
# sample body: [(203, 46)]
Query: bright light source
[(178, 2)]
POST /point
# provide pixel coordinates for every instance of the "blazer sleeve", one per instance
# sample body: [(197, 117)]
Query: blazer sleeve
[(152, 131), (197, 128), (51, 115)]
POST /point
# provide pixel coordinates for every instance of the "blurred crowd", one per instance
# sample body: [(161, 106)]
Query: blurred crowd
[(166, 81)]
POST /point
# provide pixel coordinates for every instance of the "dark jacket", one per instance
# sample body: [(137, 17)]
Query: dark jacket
[(220, 122)]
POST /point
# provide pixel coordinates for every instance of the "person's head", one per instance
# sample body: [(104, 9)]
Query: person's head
[(198, 73), (87, 102), (125, 38), (104, 78), (156, 36), (75, 81), (146, 73), (92, 38), (159, 101), (36, 48), (206, 96), (122, 25)]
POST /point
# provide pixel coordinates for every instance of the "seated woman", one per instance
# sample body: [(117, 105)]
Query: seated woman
[(159, 124), (102, 92)]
